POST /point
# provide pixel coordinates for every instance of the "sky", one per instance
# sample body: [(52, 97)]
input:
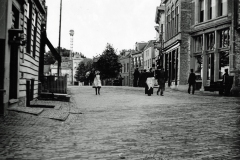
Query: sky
[(120, 23)]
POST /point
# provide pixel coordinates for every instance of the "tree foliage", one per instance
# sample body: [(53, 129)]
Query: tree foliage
[(49, 58), (83, 68), (108, 63)]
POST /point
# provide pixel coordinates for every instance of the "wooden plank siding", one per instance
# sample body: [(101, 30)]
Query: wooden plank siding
[(29, 64)]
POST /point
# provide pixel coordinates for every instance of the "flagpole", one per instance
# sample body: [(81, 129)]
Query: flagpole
[(59, 40)]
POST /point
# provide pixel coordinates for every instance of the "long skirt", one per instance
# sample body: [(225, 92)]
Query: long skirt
[(149, 85)]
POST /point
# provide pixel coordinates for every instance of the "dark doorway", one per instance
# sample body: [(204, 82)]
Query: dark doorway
[(13, 90)]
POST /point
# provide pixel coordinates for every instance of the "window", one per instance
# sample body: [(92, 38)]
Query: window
[(198, 43), (127, 67), (210, 9), (198, 67), (29, 27), (172, 22), (201, 10), (224, 38), (210, 38), (35, 33), (223, 63), (176, 19), (222, 7), (15, 17)]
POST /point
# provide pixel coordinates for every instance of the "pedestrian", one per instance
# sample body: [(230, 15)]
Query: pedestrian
[(91, 76), (160, 76), (149, 82), (120, 79), (226, 86), (136, 76), (140, 79), (191, 82), (97, 82)]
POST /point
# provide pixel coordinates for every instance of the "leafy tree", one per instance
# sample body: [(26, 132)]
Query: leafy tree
[(83, 68), (122, 52), (49, 59), (108, 63)]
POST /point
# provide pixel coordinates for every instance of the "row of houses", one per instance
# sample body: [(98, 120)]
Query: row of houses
[(22, 46), (202, 35)]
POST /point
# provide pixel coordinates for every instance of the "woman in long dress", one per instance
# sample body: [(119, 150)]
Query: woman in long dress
[(149, 83), (97, 82)]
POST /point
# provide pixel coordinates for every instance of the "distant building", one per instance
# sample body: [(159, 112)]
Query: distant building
[(149, 55), (160, 36), (126, 68), (176, 41)]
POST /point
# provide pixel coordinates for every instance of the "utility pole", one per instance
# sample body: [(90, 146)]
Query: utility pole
[(59, 40)]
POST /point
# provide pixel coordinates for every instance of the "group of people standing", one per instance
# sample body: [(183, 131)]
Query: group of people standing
[(147, 80)]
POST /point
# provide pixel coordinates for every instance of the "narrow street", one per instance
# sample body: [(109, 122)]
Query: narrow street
[(123, 123)]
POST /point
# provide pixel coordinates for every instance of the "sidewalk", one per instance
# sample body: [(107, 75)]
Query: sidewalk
[(57, 110)]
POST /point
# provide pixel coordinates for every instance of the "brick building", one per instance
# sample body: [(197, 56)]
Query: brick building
[(215, 41), (176, 41)]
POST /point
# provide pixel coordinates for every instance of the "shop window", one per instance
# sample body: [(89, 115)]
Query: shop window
[(198, 43), (201, 10), (224, 38), (210, 38), (198, 67), (173, 65), (210, 69), (223, 63)]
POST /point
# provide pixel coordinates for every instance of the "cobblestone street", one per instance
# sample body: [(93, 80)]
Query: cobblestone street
[(123, 123)]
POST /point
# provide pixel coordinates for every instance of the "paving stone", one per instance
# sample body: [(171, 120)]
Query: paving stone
[(35, 111), (124, 120)]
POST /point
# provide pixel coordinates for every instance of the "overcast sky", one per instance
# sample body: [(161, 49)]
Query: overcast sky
[(98, 22)]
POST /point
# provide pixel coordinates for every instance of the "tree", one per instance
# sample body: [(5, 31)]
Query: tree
[(49, 59), (108, 63), (122, 52), (83, 68)]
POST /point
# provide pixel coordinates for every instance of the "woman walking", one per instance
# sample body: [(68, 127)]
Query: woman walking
[(97, 82), (149, 83)]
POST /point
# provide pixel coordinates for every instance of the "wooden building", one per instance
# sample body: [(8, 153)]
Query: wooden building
[(22, 45)]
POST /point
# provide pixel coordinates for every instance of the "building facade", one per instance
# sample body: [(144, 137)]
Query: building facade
[(149, 55), (22, 24), (126, 68), (160, 36), (214, 40), (176, 41)]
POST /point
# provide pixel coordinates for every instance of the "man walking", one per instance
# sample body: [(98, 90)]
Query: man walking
[(160, 76), (191, 82), (136, 76)]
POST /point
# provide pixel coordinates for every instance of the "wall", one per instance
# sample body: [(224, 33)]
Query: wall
[(29, 65)]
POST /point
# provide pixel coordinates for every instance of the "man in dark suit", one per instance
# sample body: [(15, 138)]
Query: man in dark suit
[(191, 82), (161, 78)]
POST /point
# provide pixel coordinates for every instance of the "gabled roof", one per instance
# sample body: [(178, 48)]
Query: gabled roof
[(150, 44)]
